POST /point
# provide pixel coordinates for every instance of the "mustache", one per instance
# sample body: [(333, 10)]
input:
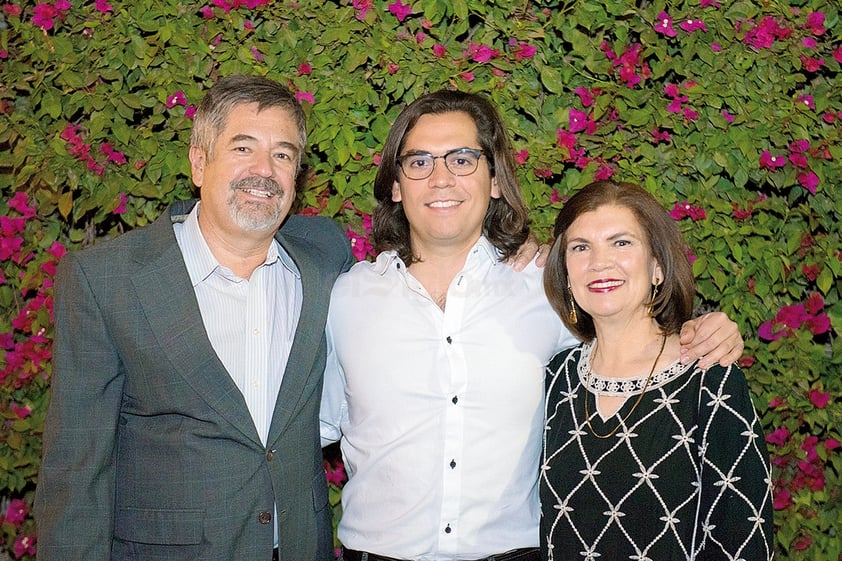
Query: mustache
[(262, 183)]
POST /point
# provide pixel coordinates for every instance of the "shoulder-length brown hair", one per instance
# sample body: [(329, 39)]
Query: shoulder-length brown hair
[(674, 303), (506, 222)]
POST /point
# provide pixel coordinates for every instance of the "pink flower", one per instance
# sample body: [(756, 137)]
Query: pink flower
[(555, 197), (770, 162), (815, 23), (690, 115), (112, 155), (439, 50), (728, 116), (776, 402), (57, 250), (190, 111), (831, 444), (837, 54), (305, 96), (806, 100), (178, 98), (362, 7), (578, 120), (814, 303), (798, 146), (708, 4), (256, 54), (782, 499), (304, 69), (715, 47), (778, 437), (420, 37), (24, 545), (809, 180), (664, 25), (661, 136), (603, 172), (808, 42), (206, 11), (121, 205), (585, 96), (692, 25), (43, 15), (12, 9), (686, 210), (17, 511), (798, 160), (811, 64), (521, 157), (483, 53), (819, 399), (565, 138), (399, 10), (521, 50), (467, 76), (20, 203), (103, 6), (818, 324), (543, 173)]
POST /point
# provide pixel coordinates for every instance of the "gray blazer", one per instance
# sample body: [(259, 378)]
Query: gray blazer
[(149, 448)]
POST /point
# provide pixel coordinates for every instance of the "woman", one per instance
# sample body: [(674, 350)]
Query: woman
[(644, 458)]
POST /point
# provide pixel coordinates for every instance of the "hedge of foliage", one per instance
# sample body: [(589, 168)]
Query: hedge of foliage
[(730, 112)]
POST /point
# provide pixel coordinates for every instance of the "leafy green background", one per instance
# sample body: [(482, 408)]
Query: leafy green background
[(82, 84)]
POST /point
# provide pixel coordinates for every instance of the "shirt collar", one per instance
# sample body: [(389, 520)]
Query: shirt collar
[(482, 250), (200, 260)]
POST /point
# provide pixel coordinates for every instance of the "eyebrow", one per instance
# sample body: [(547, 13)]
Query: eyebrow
[(612, 237), (249, 138)]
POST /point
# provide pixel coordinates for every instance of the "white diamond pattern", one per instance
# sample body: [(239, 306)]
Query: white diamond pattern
[(686, 477)]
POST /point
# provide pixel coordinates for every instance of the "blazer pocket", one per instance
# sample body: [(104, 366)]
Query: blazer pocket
[(159, 527), (319, 492)]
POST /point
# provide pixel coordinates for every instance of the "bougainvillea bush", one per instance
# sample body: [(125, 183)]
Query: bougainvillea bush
[(730, 112)]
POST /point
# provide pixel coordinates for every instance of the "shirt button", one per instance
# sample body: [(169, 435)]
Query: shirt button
[(452, 464), (256, 331), (455, 400), (447, 530), (264, 517), (270, 455), (449, 340)]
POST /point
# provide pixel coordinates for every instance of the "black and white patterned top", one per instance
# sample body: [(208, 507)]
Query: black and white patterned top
[(685, 477)]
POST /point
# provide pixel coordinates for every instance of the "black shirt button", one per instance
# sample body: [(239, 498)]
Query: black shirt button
[(455, 400)]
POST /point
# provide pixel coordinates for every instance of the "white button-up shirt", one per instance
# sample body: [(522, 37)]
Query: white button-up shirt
[(439, 411)]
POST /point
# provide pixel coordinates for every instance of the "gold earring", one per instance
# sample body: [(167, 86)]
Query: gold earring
[(654, 294), (574, 319)]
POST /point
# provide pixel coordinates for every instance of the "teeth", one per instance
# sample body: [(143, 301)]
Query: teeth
[(444, 204), (608, 284), (256, 193)]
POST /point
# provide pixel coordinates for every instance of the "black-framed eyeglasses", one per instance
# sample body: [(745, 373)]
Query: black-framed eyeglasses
[(420, 165)]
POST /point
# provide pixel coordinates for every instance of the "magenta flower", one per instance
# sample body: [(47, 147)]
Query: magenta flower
[(121, 205), (764, 34), (815, 23), (715, 47), (831, 444), (467, 76), (692, 25), (578, 120), (808, 42), (521, 50), (304, 69), (775, 402), (305, 96), (811, 64), (17, 511), (770, 162), (603, 172), (565, 138), (362, 7), (335, 474), (20, 203), (543, 173), (837, 54), (708, 4), (814, 303), (809, 180), (798, 146), (661, 136), (103, 6), (178, 98), (12, 9), (664, 25), (686, 210), (24, 545), (806, 100), (819, 399), (256, 54), (782, 499), (585, 96), (555, 197), (778, 437), (391, 68), (521, 157), (190, 111), (798, 160), (206, 11), (690, 115), (439, 51), (399, 10), (112, 155), (728, 116), (43, 15), (482, 53)]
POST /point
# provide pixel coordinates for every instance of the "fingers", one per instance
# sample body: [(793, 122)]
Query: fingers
[(543, 253), (712, 339), (525, 254)]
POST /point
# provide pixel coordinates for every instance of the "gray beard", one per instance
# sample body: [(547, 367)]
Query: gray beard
[(253, 216)]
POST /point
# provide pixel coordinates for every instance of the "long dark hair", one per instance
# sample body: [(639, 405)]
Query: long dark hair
[(506, 222)]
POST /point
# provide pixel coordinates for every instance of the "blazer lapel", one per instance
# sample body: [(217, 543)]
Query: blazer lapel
[(169, 303), (308, 337)]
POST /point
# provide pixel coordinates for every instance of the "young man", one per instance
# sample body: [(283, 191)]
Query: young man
[(437, 350), (188, 361)]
